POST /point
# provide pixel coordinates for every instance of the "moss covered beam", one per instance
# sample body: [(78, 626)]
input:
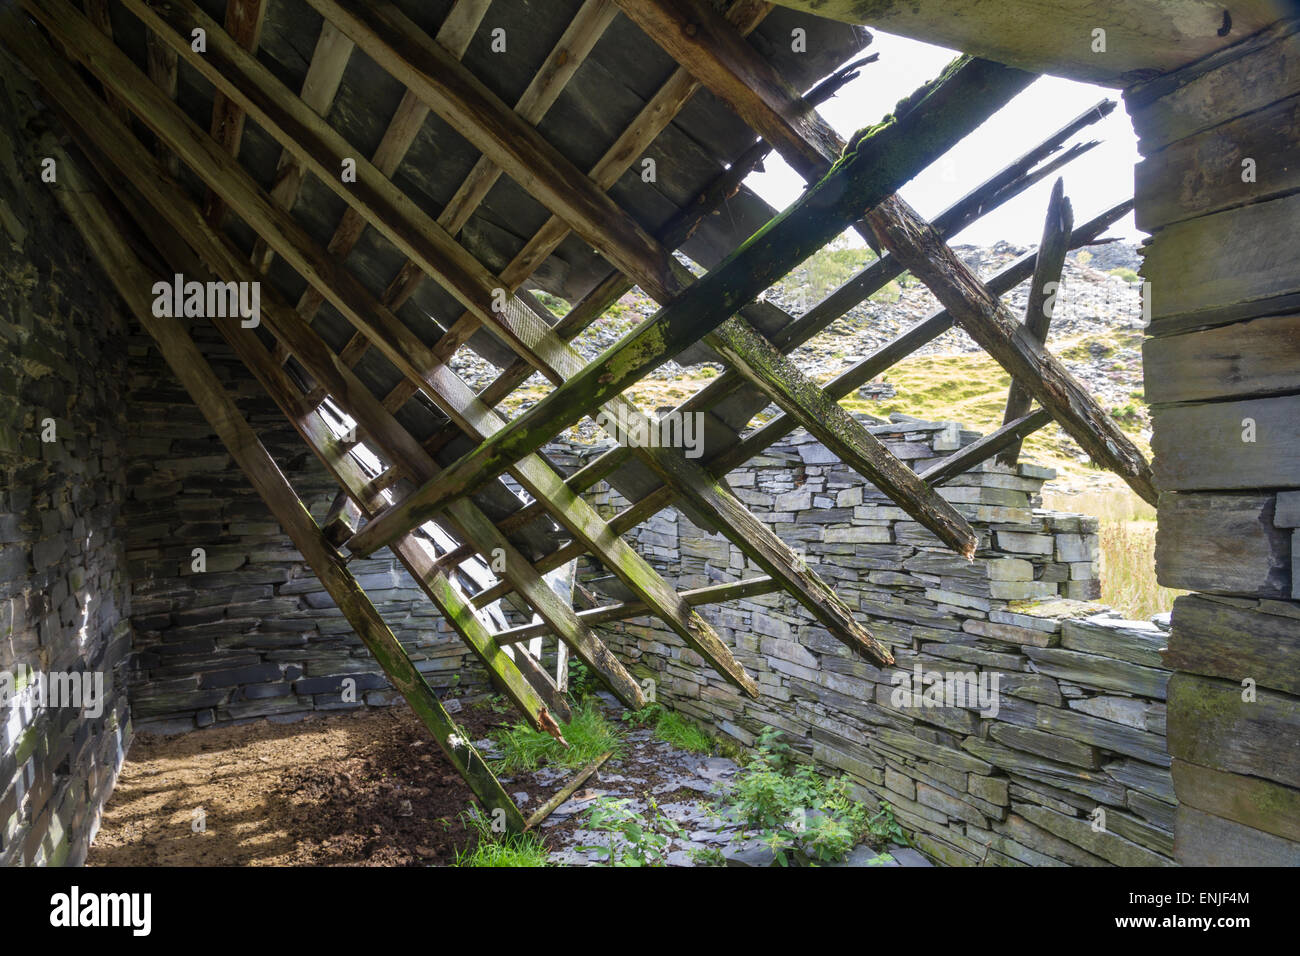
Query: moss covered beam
[(879, 161)]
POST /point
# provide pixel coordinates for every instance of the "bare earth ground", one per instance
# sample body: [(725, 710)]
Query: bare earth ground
[(364, 789)]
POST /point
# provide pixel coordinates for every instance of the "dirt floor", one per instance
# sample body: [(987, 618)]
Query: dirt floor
[(363, 789)]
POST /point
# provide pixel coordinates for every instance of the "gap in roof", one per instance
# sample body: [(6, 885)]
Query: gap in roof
[(1094, 182)]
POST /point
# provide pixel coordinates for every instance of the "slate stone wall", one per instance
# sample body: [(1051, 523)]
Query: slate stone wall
[(1071, 768), (254, 634), (63, 589)]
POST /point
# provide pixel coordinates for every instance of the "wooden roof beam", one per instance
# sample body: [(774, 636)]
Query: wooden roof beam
[(324, 74), (218, 169), (249, 84), (1004, 185), (735, 72), (455, 34), (1043, 290), (622, 611), (398, 343), (133, 281), (455, 94), (458, 611), (761, 438), (881, 159), (989, 323), (244, 20), (569, 53)]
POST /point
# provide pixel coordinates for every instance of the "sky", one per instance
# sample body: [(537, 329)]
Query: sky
[(1093, 182)]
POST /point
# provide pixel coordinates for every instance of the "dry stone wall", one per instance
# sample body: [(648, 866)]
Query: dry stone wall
[(64, 632), (253, 634), (1045, 743)]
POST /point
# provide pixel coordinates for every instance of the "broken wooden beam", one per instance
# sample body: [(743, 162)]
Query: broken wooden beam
[(397, 342), (989, 323), (133, 282), (177, 213), (568, 790), (762, 365), (1043, 291), (962, 461), (881, 158), (713, 594)]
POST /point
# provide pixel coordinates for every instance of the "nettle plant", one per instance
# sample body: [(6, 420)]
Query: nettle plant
[(797, 812), (634, 839)]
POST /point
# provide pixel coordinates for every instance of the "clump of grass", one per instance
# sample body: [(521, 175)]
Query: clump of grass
[(671, 727), (500, 849), (683, 733), (589, 735), (1128, 570)]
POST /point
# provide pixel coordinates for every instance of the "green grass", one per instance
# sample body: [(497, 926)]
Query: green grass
[(1128, 540), (683, 733), (589, 735), (508, 849)]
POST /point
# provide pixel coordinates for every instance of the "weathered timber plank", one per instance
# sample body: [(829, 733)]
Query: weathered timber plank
[(1211, 725), (1242, 360), (133, 281), (1204, 173), (759, 362), (1243, 257), (1223, 87), (399, 344), (981, 450), (1203, 839), (125, 152), (1260, 804), (1225, 446), (714, 594), (1223, 544), (460, 98), (1053, 246), (243, 23), (1224, 639)]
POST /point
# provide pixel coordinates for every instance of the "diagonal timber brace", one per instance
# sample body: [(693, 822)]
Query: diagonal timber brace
[(880, 160), (133, 280), (397, 342)]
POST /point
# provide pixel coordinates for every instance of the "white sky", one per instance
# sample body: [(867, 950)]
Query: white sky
[(1093, 182)]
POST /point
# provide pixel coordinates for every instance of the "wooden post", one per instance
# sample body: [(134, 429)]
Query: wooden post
[(1042, 300)]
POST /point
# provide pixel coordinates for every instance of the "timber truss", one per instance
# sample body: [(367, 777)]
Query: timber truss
[(156, 193)]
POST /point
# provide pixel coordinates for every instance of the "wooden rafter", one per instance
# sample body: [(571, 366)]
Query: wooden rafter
[(865, 176), (244, 20), (133, 280), (1007, 183), (735, 72), (733, 456), (118, 144), (383, 206), (399, 344)]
